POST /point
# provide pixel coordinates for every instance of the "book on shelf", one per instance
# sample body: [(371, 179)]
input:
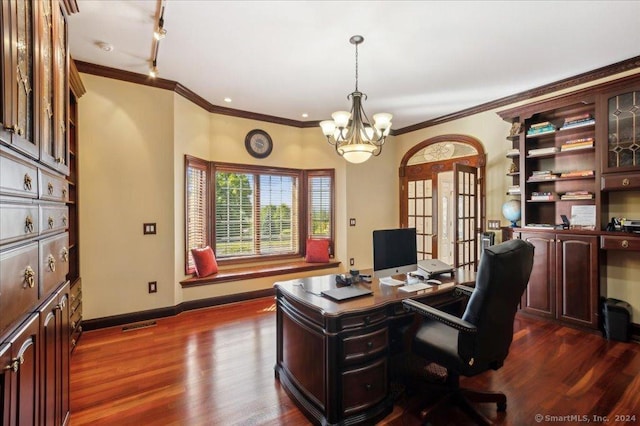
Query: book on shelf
[(577, 123), (513, 152), (541, 130), (539, 226), (577, 144), (577, 195), (542, 196), (513, 190), (541, 125), (578, 117), (542, 151), (537, 175), (577, 173)]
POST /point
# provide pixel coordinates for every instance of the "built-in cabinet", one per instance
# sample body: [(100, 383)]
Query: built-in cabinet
[(572, 152), (38, 214), (564, 279)]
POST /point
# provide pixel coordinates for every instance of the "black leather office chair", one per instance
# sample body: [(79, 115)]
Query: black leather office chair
[(480, 340)]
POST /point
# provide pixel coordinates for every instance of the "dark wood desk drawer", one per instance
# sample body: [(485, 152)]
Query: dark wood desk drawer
[(18, 222), (364, 387), (54, 262), (622, 242), (363, 320), (359, 347), (620, 182)]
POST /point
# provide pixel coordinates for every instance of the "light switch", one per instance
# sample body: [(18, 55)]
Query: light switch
[(149, 228)]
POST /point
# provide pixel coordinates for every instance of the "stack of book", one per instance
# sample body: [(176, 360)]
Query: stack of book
[(577, 173), (577, 195), (513, 152), (542, 175), (577, 144), (542, 196), (540, 128), (578, 121), (543, 151), (514, 190)]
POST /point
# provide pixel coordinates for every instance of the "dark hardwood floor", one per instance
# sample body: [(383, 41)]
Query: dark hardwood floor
[(215, 367)]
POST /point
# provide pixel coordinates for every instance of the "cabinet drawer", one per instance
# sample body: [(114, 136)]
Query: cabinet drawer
[(622, 242), (17, 177), (54, 262), (620, 182), (76, 319), (364, 387), (359, 347), (18, 282), (76, 291), (53, 218), (18, 222), (53, 187), (363, 320)]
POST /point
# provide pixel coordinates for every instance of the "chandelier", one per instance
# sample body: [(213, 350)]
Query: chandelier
[(351, 133)]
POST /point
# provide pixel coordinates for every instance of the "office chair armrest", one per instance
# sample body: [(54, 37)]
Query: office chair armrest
[(436, 314), (463, 290)]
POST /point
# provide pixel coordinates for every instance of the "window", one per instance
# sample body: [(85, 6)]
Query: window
[(258, 212)]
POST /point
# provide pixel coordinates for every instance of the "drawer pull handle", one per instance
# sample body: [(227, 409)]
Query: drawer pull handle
[(369, 345), (65, 254), (51, 263), (73, 324), (14, 366), (367, 319), (626, 182), (27, 182), (60, 306), (624, 244), (28, 225), (29, 277), (368, 386), (73, 342), (50, 188), (64, 221), (64, 192), (51, 223)]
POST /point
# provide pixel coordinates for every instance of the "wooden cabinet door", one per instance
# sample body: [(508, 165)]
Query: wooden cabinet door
[(23, 397), (539, 297), (54, 343), (577, 279), (18, 86), (6, 389), (54, 64)]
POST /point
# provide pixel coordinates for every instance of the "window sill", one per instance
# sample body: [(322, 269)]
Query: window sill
[(257, 271)]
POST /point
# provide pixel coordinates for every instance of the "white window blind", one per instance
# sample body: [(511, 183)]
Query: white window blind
[(197, 201), (320, 205)]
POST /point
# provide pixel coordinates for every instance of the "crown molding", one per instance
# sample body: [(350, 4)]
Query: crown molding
[(589, 76)]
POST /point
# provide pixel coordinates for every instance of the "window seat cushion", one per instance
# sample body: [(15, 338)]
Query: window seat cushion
[(257, 271)]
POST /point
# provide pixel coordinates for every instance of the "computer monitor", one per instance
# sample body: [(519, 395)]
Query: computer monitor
[(394, 252)]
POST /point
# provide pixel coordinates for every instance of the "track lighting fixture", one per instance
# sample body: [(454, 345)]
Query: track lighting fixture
[(158, 34)]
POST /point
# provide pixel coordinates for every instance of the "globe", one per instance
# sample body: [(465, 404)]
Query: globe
[(511, 212)]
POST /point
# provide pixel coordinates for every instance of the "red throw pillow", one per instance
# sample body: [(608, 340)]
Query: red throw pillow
[(205, 261), (317, 251)]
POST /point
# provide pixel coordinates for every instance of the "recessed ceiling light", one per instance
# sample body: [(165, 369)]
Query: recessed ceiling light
[(227, 100), (105, 46), (305, 115)]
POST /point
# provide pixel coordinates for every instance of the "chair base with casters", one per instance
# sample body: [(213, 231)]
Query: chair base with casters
[(477, 342)]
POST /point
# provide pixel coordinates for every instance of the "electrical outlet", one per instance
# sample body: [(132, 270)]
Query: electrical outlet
[(352, 261), (153, 286), (494, 224)]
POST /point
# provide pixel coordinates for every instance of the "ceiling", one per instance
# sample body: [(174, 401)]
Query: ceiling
[(420, 59)]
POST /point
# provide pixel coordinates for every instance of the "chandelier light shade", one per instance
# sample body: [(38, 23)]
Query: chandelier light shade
[(351, 133)]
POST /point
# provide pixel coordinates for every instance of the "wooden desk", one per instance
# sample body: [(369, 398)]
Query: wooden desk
[(333, 358)]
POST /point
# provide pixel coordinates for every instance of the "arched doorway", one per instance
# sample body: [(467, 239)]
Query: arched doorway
[(442, 191)]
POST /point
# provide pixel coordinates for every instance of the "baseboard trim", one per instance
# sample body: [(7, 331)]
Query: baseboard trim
[(133, 317)]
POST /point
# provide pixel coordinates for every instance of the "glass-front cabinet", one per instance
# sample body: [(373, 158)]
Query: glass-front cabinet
[(17, 84), (621, 133)]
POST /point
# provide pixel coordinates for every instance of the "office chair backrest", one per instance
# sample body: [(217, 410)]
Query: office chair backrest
[(502, 277)]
